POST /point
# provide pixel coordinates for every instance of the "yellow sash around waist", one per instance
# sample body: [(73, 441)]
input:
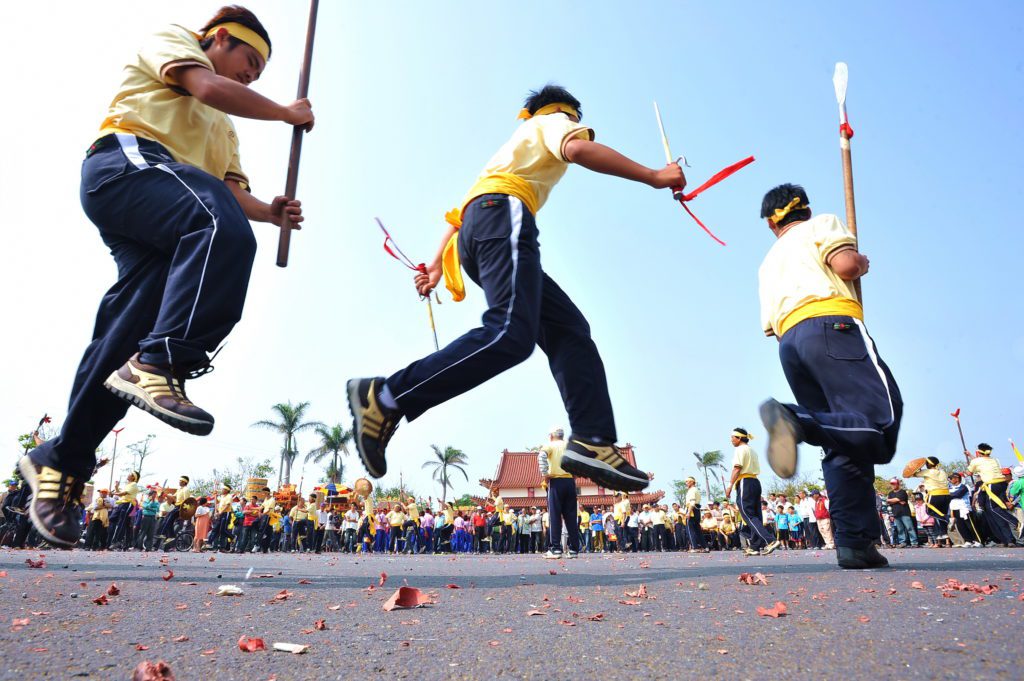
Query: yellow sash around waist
[(499, 183)]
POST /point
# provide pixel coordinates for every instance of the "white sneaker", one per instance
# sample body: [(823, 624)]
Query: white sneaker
[(553, 555), (571, 554)]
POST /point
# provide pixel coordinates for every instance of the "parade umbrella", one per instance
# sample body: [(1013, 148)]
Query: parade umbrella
[(292, 181)]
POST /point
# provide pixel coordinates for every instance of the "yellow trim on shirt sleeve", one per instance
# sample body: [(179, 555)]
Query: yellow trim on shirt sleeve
[(571, 135)]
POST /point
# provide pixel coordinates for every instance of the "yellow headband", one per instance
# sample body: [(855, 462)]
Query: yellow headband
[(245, 34), (985, 452), (740, 435), (780, 213), (525, 114)]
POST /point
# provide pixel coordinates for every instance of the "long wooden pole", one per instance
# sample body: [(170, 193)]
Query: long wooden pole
[(840, 80), (284, 240)]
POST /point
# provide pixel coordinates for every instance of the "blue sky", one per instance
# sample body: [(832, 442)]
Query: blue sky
[(411, 100)]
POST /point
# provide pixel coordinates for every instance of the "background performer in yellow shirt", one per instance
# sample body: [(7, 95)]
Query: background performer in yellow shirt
[(164, 185), (847, 399), (494, 236)]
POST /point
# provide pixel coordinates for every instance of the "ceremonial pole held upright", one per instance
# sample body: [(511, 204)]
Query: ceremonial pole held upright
[(840, 80), (284, 240)]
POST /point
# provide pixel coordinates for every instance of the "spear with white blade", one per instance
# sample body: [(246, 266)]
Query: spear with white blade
[(840, 79)]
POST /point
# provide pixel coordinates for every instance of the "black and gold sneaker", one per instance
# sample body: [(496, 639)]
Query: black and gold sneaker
[(784, 434), (161, 392), (56, 506), (373, 423), (602, 463)]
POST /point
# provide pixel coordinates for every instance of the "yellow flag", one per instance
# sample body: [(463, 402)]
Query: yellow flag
[(1020, 457)]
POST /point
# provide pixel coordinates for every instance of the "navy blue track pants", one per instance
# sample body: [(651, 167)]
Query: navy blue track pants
[(850, 406), (526, 308), (562, 508), (183, 249), (748, 500)]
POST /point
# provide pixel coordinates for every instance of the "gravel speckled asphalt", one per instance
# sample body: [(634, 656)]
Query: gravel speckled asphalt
[(699, 620)]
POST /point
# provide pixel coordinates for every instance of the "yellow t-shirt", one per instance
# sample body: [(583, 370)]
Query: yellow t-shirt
[(268, 504), (709, 524), (499, 504), (508, 518), (181, 494), (100, 511), (414, 513), (224, 503), (554, 450), (988, 468), (934, 479), (296, 513), (128, 493), (795, 274), (622, 510), (692, 497), (396, 518), (533, 154), (745, 458), (151, 104), (584, 519)]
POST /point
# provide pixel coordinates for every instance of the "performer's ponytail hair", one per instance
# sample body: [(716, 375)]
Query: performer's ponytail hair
[(550, 94), (238, 15), (782, 196)]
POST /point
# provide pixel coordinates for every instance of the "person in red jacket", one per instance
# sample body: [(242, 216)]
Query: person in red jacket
[(823, 518)]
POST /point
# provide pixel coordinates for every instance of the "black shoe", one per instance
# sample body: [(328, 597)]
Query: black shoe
[(56, 506), (373, 424), (603, 463), (784, 434), (860, 559), (161, 392)]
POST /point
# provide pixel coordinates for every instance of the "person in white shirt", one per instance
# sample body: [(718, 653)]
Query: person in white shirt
[(633, 524), (349, 525), (805, 507)]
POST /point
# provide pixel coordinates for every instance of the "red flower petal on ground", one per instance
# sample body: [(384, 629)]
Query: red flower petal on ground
[(629, 602), (777, 611), (639, 593), (406, 597), (139, 646), (305, 581), (644, 564), (596, 617), (494, 644), (281, 595), (20, 622), (567, 623), (864, 618), (452, 586), (100, 600), (251, 645), (534, 613), (168, 575), (383, 578), (152, 671), (112, 590), (35, 563), (916, 585), (334, 607), (320, 625), (552, 572), (180, 639)]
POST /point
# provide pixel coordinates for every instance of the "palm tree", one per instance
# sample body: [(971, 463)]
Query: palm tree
[(289, 422), (334, 441), (447, 459), (709, 460)]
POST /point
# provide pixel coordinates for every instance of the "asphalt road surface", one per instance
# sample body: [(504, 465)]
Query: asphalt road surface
[(697, 621)]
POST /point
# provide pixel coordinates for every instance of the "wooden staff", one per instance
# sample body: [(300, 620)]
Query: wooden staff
[(840, 79), (284, 240)]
